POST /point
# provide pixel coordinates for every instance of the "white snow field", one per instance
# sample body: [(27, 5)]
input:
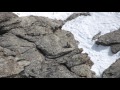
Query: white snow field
[(84, 28)]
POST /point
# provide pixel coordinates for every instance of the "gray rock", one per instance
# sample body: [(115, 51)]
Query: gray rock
[(61, 42), (32, 55), (109, 38), (74, 60), (83, 71), (78, 59), (66, 39), (51, 47), (12, 42), (115, 48), (40, 21), (113, 71), (36, 47), (66, 57), (5, 16), (48, 70), (11, 65)]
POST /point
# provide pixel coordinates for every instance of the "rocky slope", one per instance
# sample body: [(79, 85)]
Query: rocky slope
[(36, 47)]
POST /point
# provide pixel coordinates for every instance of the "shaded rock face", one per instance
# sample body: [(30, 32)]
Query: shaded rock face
[(113, 71), (36, 47), (111, 39)]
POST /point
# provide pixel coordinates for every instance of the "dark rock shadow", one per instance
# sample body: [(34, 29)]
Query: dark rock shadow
[(110, 52), (99, 48)]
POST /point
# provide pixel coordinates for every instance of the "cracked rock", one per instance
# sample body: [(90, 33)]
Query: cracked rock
[(48, 70), (36, 47), (10, 66), (83, 71)]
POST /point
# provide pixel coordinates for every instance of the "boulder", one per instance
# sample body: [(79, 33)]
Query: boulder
[(115, 48), (4, 17), (111, 39), (37, 47)]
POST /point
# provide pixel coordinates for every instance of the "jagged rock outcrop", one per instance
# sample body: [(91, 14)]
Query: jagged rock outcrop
[(110, 39), (113, 71), (36, 47)]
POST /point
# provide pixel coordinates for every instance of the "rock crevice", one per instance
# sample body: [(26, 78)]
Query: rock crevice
[(36, 47)]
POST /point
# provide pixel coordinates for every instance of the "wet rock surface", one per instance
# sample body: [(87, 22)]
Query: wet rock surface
[(36, 47)]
